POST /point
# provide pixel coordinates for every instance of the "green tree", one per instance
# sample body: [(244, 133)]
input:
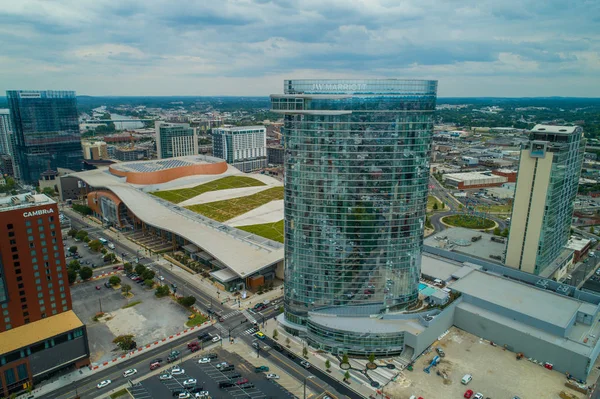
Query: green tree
[(460, 207), (187, 301), (72, 232), (86, 273), (592, 230), (497, 231), (103, 251), (149, 283), (128, 267), (505, 232), (442, 206), (305, 352), (49, 191), (162, 291), (71, 275), (73, 249), (124, 342), (126, 289), (148, 274), (327, 364), (83, 209), (110, 257), (435, 206), (140, 269), (275, 334), (346, 375), (74, 265), (287, 342), (114, 280), (372, 358), (345, 359), (81, 235), (95, 245)]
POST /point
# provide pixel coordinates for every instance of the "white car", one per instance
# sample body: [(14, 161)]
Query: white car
[(103, 384), (177, 371), (216, 338), (165, 377), (305, 364), (204, 360), (189, 382), (184, 395), (478, 396), (272, 376), (201, 394), (161, 278), (129, 373)]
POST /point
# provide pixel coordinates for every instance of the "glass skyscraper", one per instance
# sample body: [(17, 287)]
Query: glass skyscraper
[(46, 131), (356, 175)]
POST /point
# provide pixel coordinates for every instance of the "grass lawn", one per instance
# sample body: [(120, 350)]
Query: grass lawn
[(180, 195), (196, 320), (121, 392), (273, 231), (495, 208), (227, 209), (431, 200), (468, 221)]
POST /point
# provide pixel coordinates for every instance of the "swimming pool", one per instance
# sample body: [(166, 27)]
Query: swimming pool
[(422, 286)]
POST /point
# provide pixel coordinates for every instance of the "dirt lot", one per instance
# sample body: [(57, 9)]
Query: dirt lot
[(148, 321), (496, 373)]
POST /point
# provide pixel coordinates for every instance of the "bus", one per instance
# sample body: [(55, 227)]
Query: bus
[(103, 240)]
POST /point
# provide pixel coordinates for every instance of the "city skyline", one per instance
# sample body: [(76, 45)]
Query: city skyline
[(507, 49)]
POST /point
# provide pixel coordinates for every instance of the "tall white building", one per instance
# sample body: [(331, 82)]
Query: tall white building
[(5, 132), (175, 140), (244, 147)]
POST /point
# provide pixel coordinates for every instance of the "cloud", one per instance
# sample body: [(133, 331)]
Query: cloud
[(247, 47)]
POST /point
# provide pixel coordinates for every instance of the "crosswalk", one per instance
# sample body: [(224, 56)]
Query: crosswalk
[(231, 314), (249, 316)]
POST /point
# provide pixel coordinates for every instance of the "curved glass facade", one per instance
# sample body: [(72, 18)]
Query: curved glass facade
[(356, 173)]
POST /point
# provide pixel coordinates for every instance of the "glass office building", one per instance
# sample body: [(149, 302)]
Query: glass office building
[(46, 131), (356, 175)]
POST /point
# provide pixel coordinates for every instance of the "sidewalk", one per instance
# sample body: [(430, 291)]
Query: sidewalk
[(358, 382), (196, 280)]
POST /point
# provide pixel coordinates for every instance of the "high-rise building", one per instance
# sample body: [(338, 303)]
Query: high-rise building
[(46, 131), (356, 172), (175, 140), (39, 332), (547, 183), (94, 150), (244, 147), (5, 132)]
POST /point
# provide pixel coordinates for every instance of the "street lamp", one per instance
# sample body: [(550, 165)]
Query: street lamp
[(310, 377)]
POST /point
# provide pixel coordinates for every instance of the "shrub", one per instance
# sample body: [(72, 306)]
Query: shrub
[(125, 342), (149, 283), (162, 291), (126, 288), (187, 301)]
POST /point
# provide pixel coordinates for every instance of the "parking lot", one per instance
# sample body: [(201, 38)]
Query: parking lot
[(208, 377), (496, 373), (150, 320), (88, 257)]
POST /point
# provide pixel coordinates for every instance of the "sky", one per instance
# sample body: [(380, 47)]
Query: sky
[(491, 48)]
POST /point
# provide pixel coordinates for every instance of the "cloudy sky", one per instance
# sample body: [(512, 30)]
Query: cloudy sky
[(506, 48)]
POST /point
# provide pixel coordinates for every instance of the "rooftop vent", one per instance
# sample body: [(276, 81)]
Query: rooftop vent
[(541, 128)]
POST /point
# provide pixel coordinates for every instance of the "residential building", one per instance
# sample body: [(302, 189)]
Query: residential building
[(46, 131), (244, 147), (356, 179), (39, 332), (5, 132), (94, 150), (547, 181), (175, 140), (126, 154), (275, 155)]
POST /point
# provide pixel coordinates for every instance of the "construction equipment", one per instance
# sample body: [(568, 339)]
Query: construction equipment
[(434, 362)]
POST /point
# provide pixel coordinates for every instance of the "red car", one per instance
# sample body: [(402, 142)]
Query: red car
[(369, 292), (469, 393), (242, 381), (98, 287)]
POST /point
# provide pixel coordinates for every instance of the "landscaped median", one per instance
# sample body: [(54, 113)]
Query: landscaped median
[(468, 222)]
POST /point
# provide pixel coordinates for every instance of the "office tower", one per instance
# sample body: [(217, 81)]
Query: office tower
[(175, 140), (5, 132), (39, 332), (547, 182), (356, 171), (244, 147), (46, 131)]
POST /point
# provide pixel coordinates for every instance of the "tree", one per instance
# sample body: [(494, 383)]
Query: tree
[(95, 245), (110, 257), (81, 234), (73, 249), (275, 334), (592, 230), (162, 291), (443, 206), (125, 289), (287, 342), (505, 232), (125, 342), (305, 352), (148, 274), (114, 280), (86, 273), (345, 359), (83, 209), (372, 358), (187, 301), (72, 233), (346, 375), (74, 265), (327, 364), (71, 275), (49, 191), (460, 207), (149, 283), (103, 251), (140, 269), (435, 206), (497, 231), (128, 267)]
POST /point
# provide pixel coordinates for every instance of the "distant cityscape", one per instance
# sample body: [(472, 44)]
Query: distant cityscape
[(342, 238)]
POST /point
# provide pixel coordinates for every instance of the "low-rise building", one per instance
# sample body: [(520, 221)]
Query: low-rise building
[(580, 246), (473, 179)]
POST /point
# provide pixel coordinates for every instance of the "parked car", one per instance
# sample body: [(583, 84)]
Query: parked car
[(204, 360), (241, 381), (272, 376), (189, 382), (440, 352), (165, 376), (184, 395), (468, 394), (466, 379), (478, 396), (177, 371), (211, 355)]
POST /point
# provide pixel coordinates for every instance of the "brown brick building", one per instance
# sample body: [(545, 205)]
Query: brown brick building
[(39, 333)]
